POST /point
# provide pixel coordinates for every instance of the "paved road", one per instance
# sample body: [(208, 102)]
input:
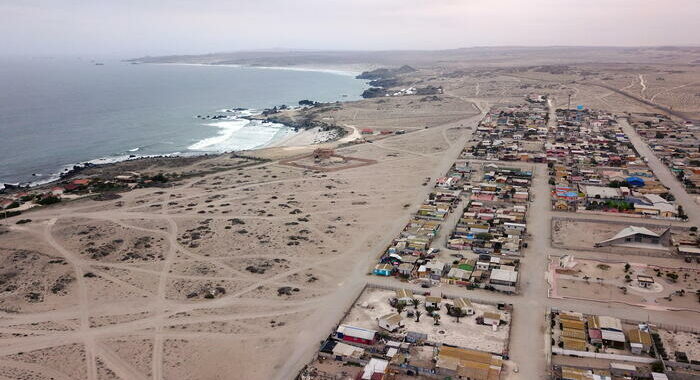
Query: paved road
[(663, 173)]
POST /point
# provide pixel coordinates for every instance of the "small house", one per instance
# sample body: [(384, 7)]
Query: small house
[(503, 277), (404, 296), (356, 334), (491, 319), (390, 322), (464, 305), (640, 341), (645, 281), (405, 269), (432, 301), (383, 269)]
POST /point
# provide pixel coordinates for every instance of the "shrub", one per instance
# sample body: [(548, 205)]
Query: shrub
[(48, 200)]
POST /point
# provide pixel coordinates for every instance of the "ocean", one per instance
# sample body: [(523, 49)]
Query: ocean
[(55, 113)]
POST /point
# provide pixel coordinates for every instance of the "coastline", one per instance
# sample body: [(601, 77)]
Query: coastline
[(352, 70), (299, 138)]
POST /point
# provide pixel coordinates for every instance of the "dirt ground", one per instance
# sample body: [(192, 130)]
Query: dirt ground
[(241, 266), (194, 279), (565, 235), (680, 341), (592, 279), (466, 333)]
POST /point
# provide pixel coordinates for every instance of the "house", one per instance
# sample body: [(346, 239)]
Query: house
[(6, 203), (373, 368), (416, 337), (688, 250), (633, 236), (640, 341), (610, 331), (405, 269), (622, 370), (367, 131), (356, 334), (383, 269), (501, 276), (464, 305), (436, 268), (491, 319), (404, 296), (434, 302), (390, 322), (458, 274), (82, 182), (57, 191), (344, 351), (467, 364), (645, 281)]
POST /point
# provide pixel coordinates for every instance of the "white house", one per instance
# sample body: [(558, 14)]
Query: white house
[(464, 305), (434, 302), (390, 322)]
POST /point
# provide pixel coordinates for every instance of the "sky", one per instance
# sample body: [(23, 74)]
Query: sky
[(132, 28)]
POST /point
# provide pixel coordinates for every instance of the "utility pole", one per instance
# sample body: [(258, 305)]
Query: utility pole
[(569, 106)]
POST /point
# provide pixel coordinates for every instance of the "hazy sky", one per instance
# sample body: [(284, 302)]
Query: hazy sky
[(140, 27)]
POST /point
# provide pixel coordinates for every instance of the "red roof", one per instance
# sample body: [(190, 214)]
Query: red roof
[(81, 182)]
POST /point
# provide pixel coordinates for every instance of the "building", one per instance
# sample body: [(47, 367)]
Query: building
[(633, 236), (501, 276), (645, 281), (640, 341), (434, 302), (356, 334), (383, 269), (464, 305), (373, 368), (405, 269), (468, 364), (610, 331), (404, 296), (342, 351), (491, 319), (390, 322)]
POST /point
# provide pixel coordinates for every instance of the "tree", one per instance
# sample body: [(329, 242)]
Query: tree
[(459, 313), (627, 267), (436, 317), (418, 315), (415, 303), (399, 307)]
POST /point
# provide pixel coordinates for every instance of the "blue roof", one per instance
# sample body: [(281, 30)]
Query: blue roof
[(635, 181)]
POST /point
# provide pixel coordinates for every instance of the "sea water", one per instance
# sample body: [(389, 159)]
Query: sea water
[(55, 113)]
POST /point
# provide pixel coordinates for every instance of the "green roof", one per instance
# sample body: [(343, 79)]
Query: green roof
[(466, 267)]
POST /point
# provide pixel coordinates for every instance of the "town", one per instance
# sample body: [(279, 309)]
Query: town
[(443, 297)]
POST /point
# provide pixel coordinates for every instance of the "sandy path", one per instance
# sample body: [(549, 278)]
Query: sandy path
[(366, 253), (74, 261), (643, 84)]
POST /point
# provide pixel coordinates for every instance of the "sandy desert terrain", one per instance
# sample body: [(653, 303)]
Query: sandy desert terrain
[(239, 267)]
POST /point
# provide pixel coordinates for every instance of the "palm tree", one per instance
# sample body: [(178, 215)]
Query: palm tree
[(459, 313), (418, 314), (436, 317), (415, 303), (399, 307)]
